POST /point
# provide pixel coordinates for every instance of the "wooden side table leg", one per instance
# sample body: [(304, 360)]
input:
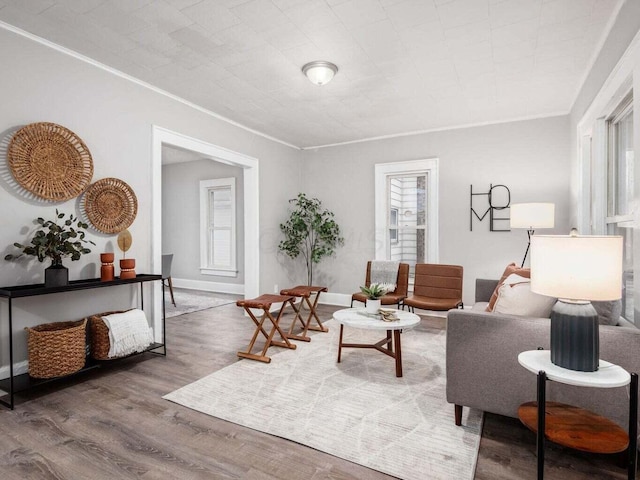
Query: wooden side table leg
[(633, 427), (398, 355), (542, 394), (340, 343)]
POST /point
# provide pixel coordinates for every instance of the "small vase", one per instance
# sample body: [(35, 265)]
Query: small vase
[(373, 305), (56, 275), (107, 269), (127, 268)]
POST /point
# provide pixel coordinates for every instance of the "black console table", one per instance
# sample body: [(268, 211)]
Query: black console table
[(18, 383)]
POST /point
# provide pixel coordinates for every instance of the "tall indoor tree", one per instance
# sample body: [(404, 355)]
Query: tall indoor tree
[(310, 231)]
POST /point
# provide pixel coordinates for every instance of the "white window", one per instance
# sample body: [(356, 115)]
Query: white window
[(407, 211), (218, 227), (620, 192)]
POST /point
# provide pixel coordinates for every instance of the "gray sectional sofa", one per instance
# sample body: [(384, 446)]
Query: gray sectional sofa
[(483, 370)]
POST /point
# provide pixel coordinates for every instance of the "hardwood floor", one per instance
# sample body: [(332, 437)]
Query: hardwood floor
[(114, 424)]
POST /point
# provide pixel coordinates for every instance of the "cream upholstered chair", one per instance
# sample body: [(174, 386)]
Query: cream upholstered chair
[(392, 298), (167, 259), (436, 287)]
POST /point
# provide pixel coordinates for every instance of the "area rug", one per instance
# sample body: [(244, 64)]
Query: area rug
[(357, 409), (188, 301)]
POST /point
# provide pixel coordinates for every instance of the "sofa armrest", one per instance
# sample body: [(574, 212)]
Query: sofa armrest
[(484, 289)]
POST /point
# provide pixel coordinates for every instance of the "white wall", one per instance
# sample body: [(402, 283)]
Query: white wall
[(531, 157), (114, 117), (617, 63), (181, 217)]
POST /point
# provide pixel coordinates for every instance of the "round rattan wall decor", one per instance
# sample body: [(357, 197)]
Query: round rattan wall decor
[(50, 161), (110, 205)]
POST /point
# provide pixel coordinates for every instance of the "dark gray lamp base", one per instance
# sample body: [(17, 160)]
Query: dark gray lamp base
[(575, 342)]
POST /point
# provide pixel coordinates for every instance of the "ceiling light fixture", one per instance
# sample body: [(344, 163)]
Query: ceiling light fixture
[(320, 72)]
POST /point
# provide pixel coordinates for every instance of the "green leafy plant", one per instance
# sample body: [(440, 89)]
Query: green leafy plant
[(310, 231), (375, 290), (56, 241)]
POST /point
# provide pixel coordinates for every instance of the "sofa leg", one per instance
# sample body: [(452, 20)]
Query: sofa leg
[(458, 415)]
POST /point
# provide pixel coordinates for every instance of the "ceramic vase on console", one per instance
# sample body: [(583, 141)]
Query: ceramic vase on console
[(373, 305), (56, 275), (127, 268), (107, 268)]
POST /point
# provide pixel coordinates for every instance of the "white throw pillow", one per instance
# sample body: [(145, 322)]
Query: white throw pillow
[(516, 298)]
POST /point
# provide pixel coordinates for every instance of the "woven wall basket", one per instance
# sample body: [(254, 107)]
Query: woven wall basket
[(50, 161), (110, 205)]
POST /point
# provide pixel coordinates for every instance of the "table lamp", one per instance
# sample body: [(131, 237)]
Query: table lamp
[(576, 269), (531, 216)]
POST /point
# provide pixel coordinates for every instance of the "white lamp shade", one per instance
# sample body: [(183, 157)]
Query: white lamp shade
[(532, 215), (319, 72), (577, 267)]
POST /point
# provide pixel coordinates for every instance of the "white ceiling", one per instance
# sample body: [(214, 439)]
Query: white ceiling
[(405, 65)]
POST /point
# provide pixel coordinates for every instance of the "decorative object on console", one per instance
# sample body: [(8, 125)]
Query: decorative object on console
[(55, 242), (532, 216), (107, 268), (110, 205), (320, 72), (50, 161), (310, 231), (127, 265), (576, 269)]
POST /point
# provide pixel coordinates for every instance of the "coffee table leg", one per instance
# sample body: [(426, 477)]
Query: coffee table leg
[(340, 343), (389, 341), (633, 428), (396, 337)]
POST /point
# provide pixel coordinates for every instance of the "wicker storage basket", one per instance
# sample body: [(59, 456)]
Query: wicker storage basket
[(99, 336), (56, 349)]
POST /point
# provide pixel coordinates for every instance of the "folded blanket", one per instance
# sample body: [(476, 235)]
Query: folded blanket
[(129, 332), (385, 271)]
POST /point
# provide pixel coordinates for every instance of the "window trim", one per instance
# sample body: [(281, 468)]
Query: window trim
[(206, 186), (384, 170)]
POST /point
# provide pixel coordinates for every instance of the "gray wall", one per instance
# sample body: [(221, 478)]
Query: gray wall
[(530, 157), (181, 216), (114, 117)]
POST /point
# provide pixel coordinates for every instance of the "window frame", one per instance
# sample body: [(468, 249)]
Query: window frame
[(383, 171), (206, 239)]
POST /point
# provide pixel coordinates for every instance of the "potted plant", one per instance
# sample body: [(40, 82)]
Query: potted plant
[(310, 231), (374, 292), (56, 241)]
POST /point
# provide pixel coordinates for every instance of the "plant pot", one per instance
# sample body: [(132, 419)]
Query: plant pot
[(107, 269), (56, 275), (127, 268), (373, 305)]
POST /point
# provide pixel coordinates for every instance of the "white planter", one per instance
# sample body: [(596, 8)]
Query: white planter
[(373, 306)]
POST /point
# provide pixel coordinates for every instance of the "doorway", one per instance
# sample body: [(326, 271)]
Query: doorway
[(163, 137)]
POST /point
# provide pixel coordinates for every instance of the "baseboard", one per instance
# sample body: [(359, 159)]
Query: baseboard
[(18, 369), (233, 288), (340, 299)]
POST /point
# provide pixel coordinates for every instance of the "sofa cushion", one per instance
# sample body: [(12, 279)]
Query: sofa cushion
[(608, 311), (516, 298), (511, 268)]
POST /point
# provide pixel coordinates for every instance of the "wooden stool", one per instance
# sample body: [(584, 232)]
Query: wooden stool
[(304, 292), (263, 302)]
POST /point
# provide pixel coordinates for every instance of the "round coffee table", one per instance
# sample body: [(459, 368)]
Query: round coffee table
[(358, 318)]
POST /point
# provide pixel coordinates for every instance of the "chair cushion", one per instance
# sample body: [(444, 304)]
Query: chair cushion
[(428, 303), (388, 299)]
